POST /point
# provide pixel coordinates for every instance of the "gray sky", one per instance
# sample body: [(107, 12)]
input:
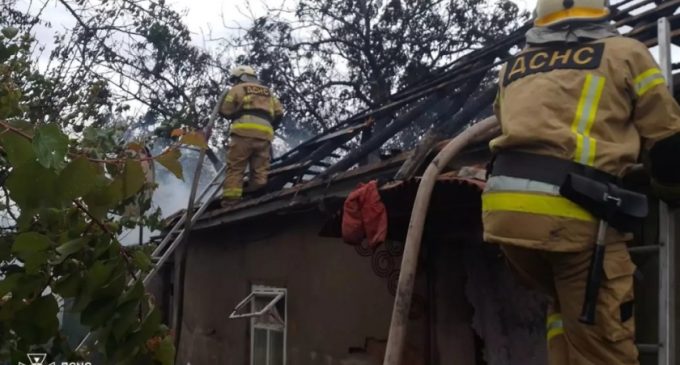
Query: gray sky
[(205, 19), (208, 19), (201, 18)]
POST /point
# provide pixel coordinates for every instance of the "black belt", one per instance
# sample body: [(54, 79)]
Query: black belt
[(547, 169), (256, 113)]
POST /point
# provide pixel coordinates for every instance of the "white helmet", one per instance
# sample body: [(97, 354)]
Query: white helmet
[(240, 71), (555, 12)]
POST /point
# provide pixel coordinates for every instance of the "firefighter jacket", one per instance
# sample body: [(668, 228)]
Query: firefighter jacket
[(253, 110), (598, 104)]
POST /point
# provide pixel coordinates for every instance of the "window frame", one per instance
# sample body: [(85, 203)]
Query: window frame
[(276, 294)]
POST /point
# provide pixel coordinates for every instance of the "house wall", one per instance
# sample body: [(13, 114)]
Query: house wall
[(336, 302)]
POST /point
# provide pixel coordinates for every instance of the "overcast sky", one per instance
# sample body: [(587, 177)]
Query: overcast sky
[(200, 18), (205, 19)]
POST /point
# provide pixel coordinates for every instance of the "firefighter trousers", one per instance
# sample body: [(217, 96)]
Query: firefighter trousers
[(563, 277), (246, 152)]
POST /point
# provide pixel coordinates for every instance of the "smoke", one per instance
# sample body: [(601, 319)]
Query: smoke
[(172, 194), (289, 137)]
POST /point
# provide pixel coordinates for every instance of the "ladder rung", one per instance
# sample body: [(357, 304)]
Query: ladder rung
[(646, 348), (644, 249)]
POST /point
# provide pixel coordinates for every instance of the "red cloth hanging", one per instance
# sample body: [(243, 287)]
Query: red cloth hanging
[(364, 216)]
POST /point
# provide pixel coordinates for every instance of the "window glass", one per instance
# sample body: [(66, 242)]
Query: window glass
[(259, 346)]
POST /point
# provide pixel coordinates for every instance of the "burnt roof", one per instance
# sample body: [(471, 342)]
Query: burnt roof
[(325, 167)]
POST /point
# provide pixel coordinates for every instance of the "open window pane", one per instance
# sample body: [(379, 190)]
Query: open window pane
[(258, 303)]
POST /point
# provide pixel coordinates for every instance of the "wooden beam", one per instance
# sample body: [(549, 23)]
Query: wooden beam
[(435, 135)]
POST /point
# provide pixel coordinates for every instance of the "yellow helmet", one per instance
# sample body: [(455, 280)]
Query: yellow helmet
[(555, 12), (239, 71)]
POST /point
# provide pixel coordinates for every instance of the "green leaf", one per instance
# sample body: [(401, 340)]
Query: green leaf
[(51, 217), (133, 178), (77, 179), (134, 293), (149, 326), (69, 248), (194, 139), (38, 321), (68, 285), (29, 243), (100, 200), (46, 309), (142, 260), (6, 248), (124, 319), (25, 219), (9, 309), (104, 247), (166, 352), (32, 186), (114, 288), (95, 278), (29, 286), (50, 145), (9, 283), (34, 262), (18, 148), (4, 55), (170, 160), (98, 312), (10, 32), (83, 298), (99, 274)]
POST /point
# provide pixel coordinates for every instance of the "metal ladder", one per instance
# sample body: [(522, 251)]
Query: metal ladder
[(665, 348), (175, 235)]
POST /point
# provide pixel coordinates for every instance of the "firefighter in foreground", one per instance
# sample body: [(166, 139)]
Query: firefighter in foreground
[(580, 100), (255, 113)]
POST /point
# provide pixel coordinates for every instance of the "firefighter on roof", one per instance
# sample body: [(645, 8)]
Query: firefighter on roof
[(579, 99), (255, 113)]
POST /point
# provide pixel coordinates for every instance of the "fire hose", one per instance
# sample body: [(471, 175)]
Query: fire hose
[(402, 303)]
